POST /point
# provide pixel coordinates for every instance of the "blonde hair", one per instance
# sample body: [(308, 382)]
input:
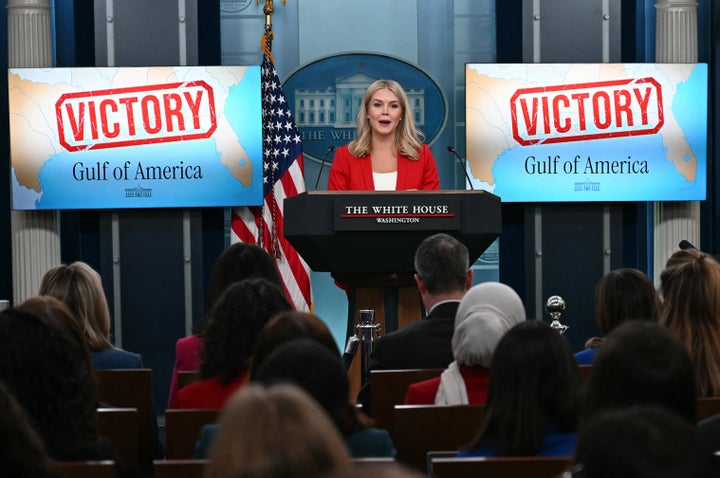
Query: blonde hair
[(79, 286), (408, 138), (273, 433)]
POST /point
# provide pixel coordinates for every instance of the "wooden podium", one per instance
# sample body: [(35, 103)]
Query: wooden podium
[(367, 240)]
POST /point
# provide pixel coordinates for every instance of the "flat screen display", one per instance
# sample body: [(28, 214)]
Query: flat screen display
[(107, 138), (587, 132)]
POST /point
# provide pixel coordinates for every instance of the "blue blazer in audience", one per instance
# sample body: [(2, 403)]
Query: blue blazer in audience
[(116, 358), (368, 443), (554, 444), (585, 357)]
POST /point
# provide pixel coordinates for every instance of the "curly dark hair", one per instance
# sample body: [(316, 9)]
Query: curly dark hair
[(45, 363), (234, 324)]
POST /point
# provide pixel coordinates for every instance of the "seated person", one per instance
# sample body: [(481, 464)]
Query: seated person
[(641, 363), (288, 326), (45, 363), (275, 432), (79, 286), (233, 326), (485, 313), (443, 276), (690, 311), (321, 373), (621, 295), (534, 396), (640, 442), (238, 262)]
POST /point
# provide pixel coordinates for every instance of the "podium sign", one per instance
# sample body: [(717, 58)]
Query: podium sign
[(408, 213), (378, 231)]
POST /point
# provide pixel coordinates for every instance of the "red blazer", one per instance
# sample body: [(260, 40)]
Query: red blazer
[(348, 173), (187, 359), (476, 383), (208, 393)]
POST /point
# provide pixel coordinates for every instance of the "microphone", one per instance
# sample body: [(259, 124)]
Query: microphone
[(330, 149), (685, 245), (463, 164)]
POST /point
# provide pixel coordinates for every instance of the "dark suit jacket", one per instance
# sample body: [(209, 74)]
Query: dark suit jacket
[(423, 344)]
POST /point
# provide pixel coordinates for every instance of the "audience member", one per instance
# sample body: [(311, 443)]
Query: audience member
[(621, 295), (639, 442), (22, 453), (691, 312), (534, 396), (682, 256), (442, 276), (322, 374), (288, 326), (284, 327), (79, 286), (275, 432), (641, 363), (238, 262), (229, 337), (46, 365), (486, 312)]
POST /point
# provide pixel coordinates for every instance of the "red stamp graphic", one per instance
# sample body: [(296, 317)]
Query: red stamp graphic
[(138, 115), (585, 111)]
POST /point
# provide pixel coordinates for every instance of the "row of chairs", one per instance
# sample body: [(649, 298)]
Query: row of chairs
[(515, 467), (389, 388), (415, 430)]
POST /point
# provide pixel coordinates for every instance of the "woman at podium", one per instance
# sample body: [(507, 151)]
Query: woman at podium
[(388, 153)]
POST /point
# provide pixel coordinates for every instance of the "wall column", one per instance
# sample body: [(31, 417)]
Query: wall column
[(675, 42), (35, 234)]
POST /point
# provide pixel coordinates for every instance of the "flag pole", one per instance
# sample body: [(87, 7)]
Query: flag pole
[(266, 46), (268, 10)]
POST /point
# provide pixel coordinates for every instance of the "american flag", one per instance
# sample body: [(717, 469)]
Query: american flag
[(283, 176)]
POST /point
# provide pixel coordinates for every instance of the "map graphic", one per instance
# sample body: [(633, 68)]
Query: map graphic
[(587, 132), (89, 138)]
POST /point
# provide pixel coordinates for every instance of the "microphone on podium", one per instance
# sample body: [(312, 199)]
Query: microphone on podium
[(330, 149), (463, 164)]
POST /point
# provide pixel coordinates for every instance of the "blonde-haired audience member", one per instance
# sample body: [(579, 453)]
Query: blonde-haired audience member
[(275, 432), (79, 286)]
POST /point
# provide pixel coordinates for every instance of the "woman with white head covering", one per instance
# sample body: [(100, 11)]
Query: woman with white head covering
[(486, 312)]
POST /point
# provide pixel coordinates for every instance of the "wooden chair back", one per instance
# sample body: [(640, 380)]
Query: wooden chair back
[(418, 429), (87, 469), (132, 388), (182, 430), (388, 388), (119, 427), (505, 467), (179, 468), (187, 377), (373, 461), (707, 407)]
